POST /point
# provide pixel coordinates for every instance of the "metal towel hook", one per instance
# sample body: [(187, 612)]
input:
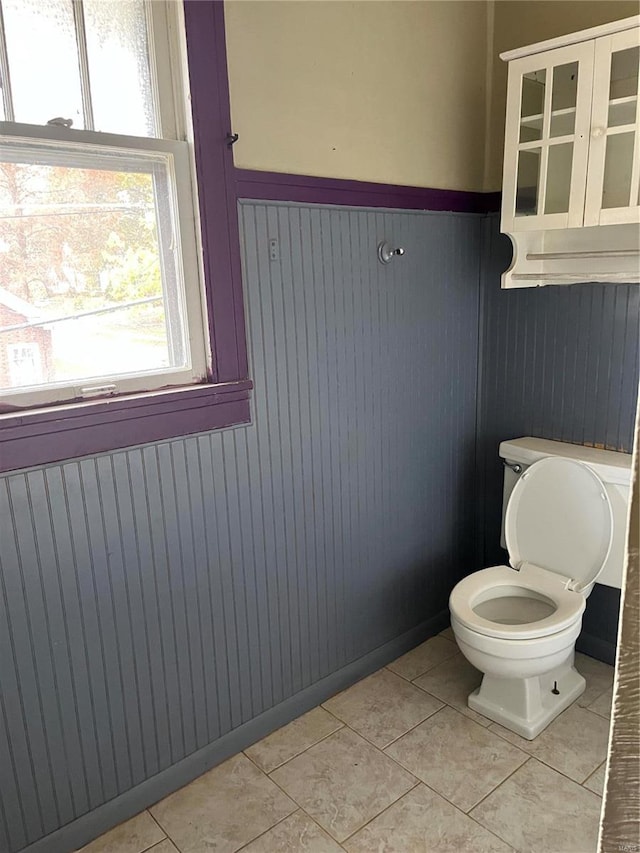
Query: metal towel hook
[(386, 252)]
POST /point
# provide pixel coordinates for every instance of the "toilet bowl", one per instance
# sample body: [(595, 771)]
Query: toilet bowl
[(520, 632), (518, 624)]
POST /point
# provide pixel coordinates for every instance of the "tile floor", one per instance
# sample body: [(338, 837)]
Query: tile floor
[(396, 763)]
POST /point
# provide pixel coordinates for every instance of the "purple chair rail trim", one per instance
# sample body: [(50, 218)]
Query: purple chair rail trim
[(275, 186), (54, 435)]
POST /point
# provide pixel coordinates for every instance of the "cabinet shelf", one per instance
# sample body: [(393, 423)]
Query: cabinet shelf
[(542, 278), (626, 100), (535, 121), (625, 107), (622, 111), (607, 253), (562, 123), (588, 254)]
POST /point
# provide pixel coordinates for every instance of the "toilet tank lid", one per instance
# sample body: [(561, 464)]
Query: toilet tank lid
[(610, 465)]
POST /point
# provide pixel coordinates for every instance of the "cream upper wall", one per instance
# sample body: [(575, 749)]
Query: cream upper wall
[(389, 91), (392, 92), (521, 22)]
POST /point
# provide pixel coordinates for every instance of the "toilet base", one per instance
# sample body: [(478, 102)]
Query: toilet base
[(526, 706)]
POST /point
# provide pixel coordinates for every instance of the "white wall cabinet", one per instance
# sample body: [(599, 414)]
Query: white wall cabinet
[(571, 180)]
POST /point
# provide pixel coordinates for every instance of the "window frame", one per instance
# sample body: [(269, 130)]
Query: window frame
[(62, 145), (222, 399)]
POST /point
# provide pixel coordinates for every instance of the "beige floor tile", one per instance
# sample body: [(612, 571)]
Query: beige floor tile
[(423, 822), (575, 743), (224, 809), (598, 675), (296, 834), (456, 757), (537, 810), (452, 681), (602, 705), (424, 657), (292, 739), (595, 782), (133, 836), (165, 846), (448, 633), (342, 782), (382, 707)]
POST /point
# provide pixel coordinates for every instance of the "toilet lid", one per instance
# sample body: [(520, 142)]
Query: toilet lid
[(559, 518)]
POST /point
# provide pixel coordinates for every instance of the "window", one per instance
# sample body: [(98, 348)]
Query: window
[(117, 169), (97, 224)]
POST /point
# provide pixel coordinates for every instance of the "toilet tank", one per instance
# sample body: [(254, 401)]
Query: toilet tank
[(613, 468)]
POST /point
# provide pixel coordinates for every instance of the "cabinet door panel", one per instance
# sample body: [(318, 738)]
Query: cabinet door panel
[(546, 140), (614, 155), (528, 181), (564, 98), (558, 192)]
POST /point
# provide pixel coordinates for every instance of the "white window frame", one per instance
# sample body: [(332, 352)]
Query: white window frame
[(167, 47)]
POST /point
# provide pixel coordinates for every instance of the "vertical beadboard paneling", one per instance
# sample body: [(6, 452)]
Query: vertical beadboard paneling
[(559, 363), (153, 599)]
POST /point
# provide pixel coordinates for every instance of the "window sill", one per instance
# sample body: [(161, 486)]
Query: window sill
[(53, 434)]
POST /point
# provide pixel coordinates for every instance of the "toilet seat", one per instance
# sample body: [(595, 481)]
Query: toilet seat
[(559, 517), (558, 529), (569, 605)]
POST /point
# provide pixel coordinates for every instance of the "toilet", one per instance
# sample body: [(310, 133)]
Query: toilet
[(564, 526)]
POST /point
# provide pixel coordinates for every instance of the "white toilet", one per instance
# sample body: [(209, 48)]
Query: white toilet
[(564, 525)]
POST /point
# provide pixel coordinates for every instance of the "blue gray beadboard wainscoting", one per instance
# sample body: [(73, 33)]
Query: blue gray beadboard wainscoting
[(559, 363), (163, 606)]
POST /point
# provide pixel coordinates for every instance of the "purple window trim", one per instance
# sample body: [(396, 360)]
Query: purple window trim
[(51, 435), (210, 104), (58, 433)]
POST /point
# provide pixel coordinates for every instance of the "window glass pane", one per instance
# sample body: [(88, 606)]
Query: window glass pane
[(558, 178), (531, 128), (91, 287), (532, 105), (119, 71), (24, 364), (43, 60), (565, 86), (563, 99), (533, 92), (527, 184), (624, 73), (616, 189), (563, 123), (622, 112)]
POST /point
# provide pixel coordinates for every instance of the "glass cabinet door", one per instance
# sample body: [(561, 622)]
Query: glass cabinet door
[(547, 139), (614, 160)]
